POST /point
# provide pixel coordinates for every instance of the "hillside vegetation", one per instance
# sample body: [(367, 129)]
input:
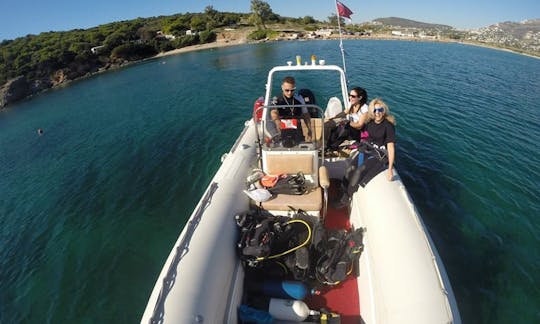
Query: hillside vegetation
[(52, 56)]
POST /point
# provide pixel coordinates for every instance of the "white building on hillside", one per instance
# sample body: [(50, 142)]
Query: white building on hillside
[(160, 34), (96, 49)]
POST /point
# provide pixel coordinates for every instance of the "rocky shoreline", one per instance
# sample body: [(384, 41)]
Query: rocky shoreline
[(19, 88)]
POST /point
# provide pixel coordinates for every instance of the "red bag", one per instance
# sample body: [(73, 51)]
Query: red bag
[(270, 180)]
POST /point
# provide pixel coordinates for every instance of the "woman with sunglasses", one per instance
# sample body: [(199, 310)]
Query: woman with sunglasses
[(355, 118), (379, 155), (381, 132), (357, 112)]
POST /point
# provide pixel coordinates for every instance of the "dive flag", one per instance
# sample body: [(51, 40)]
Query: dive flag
[(343, 11)]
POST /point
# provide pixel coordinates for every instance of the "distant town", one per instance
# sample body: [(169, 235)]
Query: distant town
[(522, 37)]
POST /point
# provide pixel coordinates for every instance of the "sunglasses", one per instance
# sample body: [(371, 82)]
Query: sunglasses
[(289, 90), (352, 96), (378, 110)]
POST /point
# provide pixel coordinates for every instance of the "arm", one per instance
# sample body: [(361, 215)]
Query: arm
[(391, 156), (339, 115), (275, 117), (359, 124)]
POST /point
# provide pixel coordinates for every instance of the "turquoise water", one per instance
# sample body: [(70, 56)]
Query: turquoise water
[(90, 209)]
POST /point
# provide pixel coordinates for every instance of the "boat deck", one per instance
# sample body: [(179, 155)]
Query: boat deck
[(343, 298)]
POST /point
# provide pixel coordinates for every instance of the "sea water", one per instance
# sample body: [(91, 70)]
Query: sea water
[(90, 209)]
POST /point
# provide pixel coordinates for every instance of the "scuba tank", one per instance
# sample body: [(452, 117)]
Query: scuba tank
[(289, 310), (283, 309)]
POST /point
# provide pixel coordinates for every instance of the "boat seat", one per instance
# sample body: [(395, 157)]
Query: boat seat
[(289, 163), (310, 201), (316, 129), (292, 163)]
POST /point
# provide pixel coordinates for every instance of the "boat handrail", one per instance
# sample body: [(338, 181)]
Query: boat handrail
[(264, 118), (312, 67)]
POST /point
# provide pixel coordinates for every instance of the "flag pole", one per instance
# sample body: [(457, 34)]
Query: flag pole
[(341, 40)]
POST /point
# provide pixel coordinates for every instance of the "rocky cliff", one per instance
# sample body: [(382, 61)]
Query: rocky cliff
[(13, 90)]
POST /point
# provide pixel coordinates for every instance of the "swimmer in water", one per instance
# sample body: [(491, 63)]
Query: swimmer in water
[(40, 131)]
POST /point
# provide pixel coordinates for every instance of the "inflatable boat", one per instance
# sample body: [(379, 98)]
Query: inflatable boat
[(393, 274)]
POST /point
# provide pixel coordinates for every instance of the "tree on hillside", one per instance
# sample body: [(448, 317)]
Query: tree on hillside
[(114, 39), (308, 20), (177, 25), (212, 17), (332, 20), (261, 12), (197, 23), (146, 34)]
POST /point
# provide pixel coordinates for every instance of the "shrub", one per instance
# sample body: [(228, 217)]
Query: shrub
[(184, 41), (133, 51), (207, 36), (258, 35)]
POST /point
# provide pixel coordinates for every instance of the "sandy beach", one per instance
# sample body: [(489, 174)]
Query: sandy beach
[(224, 39), (198, 48)]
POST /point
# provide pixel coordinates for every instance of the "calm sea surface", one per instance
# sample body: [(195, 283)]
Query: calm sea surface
[(89, 210)]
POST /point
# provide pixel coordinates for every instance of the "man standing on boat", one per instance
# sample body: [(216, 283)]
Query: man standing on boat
[(288, 116)]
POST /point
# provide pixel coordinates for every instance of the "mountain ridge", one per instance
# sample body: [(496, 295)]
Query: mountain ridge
[(522, 36), (408, 23)]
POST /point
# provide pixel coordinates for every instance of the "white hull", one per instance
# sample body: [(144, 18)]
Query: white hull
[(208, 279), (402, 277)]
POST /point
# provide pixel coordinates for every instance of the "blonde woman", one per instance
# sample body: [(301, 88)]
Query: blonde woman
[(381, 131), (382, 136)]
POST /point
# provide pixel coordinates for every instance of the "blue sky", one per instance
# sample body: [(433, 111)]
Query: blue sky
[(22, 17)]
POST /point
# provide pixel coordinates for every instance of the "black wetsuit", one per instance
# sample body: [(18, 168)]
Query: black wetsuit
[(379, 136), (375, 162)]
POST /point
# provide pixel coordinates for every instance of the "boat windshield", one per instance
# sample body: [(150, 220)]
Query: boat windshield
[(293, 113), (317, 85)]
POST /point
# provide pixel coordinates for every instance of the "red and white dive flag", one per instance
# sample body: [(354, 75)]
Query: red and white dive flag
[(343, 11)]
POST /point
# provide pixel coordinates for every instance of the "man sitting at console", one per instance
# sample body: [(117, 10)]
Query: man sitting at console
[(287, 119)]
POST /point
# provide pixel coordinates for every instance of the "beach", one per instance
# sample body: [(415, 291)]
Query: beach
[(224, 39)]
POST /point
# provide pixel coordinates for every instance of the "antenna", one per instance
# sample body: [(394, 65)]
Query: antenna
[(342, 11)]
